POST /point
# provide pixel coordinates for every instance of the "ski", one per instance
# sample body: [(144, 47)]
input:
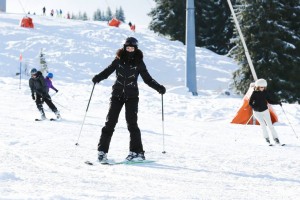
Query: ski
[(120, 163), (271, 145), (88, 162), (126, 162), (39, 120), (51, 119)]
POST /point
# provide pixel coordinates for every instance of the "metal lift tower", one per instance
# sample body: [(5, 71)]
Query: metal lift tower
[(191, 81), (2, 5)]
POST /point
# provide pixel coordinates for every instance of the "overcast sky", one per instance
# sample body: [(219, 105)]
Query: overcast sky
[(135, 10)]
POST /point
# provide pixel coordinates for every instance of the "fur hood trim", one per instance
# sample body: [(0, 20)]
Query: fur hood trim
[(121, 54)]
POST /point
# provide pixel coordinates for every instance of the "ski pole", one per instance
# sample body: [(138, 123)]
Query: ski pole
[(85, 115), (58, 104), (61, 105), (289, 122), (20, 71), (53, 94), (163, 126)]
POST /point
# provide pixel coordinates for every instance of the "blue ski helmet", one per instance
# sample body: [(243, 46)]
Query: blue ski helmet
[(33, 71), (50, 75)]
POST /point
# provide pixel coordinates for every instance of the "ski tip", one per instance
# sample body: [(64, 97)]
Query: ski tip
[(88, 162), (276, 145), (55, 119)]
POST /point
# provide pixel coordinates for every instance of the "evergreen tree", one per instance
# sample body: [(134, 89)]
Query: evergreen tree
[(120, 14), (109, 14), (97, 15), (100, 16), (43, 63), (213, 27), (73, 16), (272, 33), (168, 18), (103, 18), (79, 16), (84, 16)]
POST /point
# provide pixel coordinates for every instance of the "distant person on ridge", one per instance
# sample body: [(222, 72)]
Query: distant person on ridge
[(39, 93), (128, 65), (44, 10), (132, 26), (259, 102), (48, 80)]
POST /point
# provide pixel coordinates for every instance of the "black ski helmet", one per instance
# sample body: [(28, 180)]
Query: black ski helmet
[(131, 41), (33, 71)]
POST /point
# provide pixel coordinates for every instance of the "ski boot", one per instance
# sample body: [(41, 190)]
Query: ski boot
[(102, 157), (135, 156), (43, 116), (57, 114), (277, 141)]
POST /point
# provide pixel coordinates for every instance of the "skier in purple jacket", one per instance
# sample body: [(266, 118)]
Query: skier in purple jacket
[(48, 81)]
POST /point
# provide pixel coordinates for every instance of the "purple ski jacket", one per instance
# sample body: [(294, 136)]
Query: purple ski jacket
[(49, 84)]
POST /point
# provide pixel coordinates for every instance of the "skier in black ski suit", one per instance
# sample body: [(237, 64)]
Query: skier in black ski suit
[(39, 93), (128, 65)]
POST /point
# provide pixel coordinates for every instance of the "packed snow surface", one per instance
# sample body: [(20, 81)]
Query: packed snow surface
[(206, 156)]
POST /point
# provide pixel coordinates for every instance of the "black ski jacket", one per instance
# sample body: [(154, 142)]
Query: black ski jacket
[(127, 72), (38, 85), (259, 100)]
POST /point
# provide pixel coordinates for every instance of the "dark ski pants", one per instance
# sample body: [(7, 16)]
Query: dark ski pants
[(131, 110), (39, 103)]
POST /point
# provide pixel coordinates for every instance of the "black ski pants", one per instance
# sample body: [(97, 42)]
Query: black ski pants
[(131, 111), (39, 103)]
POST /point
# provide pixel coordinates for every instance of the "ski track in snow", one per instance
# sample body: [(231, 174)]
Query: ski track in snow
[(207, 157)]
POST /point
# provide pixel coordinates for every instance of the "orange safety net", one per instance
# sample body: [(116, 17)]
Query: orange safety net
[(27, 23), (114, 22), (244, 114)]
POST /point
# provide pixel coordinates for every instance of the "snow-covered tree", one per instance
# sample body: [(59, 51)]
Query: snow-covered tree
[(109, 14), (43, 63), (168, 18), (215, 26), (84, 16), (120, 14), (272, 33), (212, 22)]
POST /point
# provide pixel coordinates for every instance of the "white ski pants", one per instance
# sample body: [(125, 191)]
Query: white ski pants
[(264, 118)]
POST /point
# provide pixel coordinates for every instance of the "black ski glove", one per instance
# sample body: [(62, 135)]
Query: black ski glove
[(56, 91), (96, 79), (280, 103), (33, 97), (161, 89)]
